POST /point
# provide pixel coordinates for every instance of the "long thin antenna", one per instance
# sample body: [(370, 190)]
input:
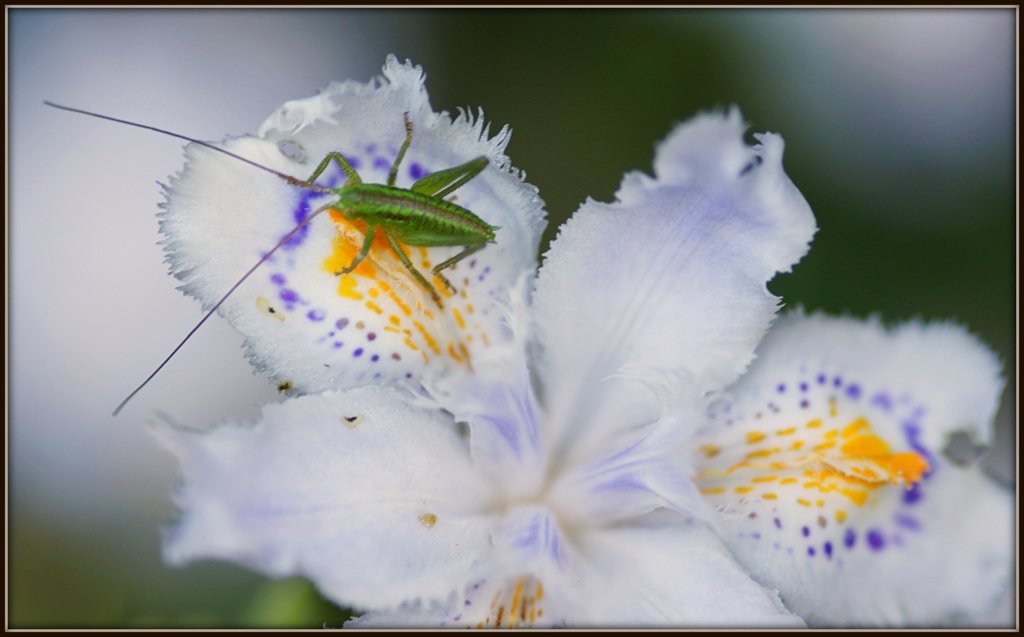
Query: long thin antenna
[(221, 302), (291, 180)]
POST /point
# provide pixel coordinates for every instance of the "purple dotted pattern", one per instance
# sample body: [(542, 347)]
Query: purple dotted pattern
[(835, 539), (332, 177), (374, 164)]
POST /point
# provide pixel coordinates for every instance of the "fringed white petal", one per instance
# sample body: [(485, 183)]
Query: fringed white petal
[(304, 324), (671, 275), (374, 500)]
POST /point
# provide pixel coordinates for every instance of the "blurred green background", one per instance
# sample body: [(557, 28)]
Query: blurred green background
[(900, 132)]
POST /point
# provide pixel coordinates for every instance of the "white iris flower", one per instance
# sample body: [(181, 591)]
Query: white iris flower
[(827, 464), (535, 450)]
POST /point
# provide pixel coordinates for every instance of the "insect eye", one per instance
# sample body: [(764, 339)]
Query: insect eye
[(292, 150)]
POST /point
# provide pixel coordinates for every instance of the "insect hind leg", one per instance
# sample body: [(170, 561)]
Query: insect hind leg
[(452, 261)]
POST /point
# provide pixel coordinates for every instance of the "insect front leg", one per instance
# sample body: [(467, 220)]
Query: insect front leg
[(365, 250), (350, 172)]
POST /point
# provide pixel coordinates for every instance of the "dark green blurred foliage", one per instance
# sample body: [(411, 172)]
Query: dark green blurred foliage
[(91, 580)]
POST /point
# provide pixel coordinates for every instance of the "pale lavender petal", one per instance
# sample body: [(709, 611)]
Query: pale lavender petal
[(670, 275), (375, 501), (665, 571), (498, 405), (638, 471)]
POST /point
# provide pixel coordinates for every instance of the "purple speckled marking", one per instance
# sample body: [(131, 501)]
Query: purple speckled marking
[(277, 278), (316, 315), (821, 379), (913, 495), (907, 521), (804, 404), (875, 539), (341, 323), (756, 536), (416, 170), (374, 358), (371, 336), (337, 344), (810, 551), (358, 352), (882, 401), (467, 603), (289, 296), (806, 531), (370, 149), (781, 388), (803, 386), (837, 381), (853, 392), (303, 208), (778, 523), (828, 550), (300, 212), (382, 163), (912, 430), (849, 538)]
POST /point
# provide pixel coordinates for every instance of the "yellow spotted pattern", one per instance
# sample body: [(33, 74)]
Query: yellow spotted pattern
[(519, 605), (387, 289), (825, 464)]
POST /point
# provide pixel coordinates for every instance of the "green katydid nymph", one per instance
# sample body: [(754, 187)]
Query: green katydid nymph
[(419, 216)]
